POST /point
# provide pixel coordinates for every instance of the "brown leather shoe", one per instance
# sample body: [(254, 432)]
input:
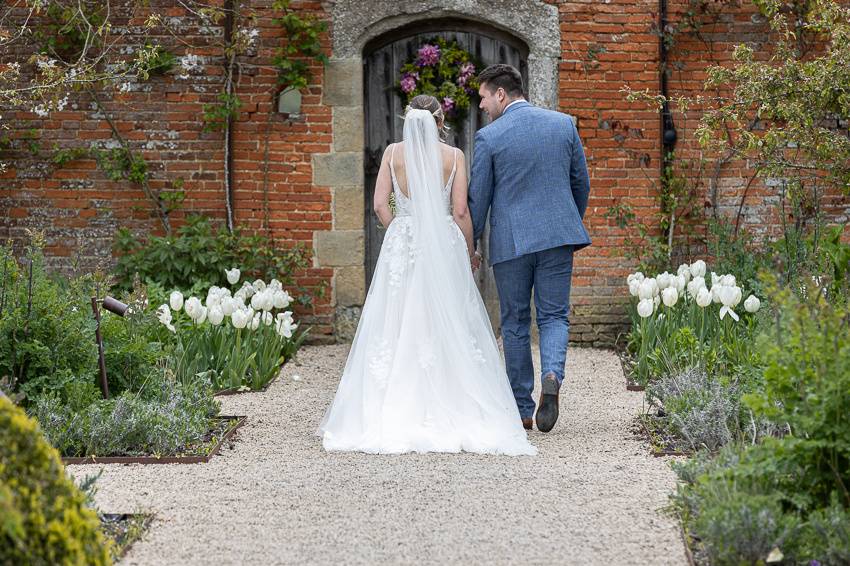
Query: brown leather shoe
[(547, 409), (527, 423)]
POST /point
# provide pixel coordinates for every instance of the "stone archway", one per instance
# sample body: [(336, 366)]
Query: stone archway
[(343, 248)]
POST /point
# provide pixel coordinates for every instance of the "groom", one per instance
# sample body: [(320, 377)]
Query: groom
[(529, 172)]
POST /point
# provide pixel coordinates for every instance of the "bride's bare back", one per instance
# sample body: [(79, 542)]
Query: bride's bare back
[(449, 157)]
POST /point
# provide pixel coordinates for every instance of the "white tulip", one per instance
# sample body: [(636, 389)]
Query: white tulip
[(695, 285), (636, 276), (284, 324), (685, 271), (247, 290), (228, 305), (267, 318), (257, 301), (240, 319), (752, 304), (202, 315), (634, 287), (670, 296), (163, 313), (255, 322), (648, 288), (233, 275), (703, 297), (176, 300), (275, 285), (259, 285), (268, 299), (715, 293), (680, 282), (645, 307), (193, 306), (282, 299), (663, 281), (728, 280), (656, 300), (698, 268), (730, 296), (715, 279), (216, 315)]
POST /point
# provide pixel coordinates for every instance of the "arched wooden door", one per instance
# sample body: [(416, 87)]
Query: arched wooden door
[(383, 58)]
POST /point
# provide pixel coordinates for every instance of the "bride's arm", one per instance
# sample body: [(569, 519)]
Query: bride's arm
[(460, 208), (383, 188)]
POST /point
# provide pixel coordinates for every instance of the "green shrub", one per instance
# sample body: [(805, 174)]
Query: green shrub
[(44, 327), (163, 418), (43, 518), (700, 409), (807, 389), (786, 495), (196, 257)]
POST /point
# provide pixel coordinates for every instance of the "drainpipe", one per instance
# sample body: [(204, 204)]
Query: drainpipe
[(229, 8), (668, 129)]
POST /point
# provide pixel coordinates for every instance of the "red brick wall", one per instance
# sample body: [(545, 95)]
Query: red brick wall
[(604, 47), (79, 208)]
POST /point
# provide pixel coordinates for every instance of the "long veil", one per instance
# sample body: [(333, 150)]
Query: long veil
[(424, 372), (435, 275)]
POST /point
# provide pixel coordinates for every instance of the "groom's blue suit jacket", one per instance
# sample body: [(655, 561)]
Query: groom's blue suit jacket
[(530, 172)]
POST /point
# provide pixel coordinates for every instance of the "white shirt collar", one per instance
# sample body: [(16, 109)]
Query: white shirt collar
[(512, 103)]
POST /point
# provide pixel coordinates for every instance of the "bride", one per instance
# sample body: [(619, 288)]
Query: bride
[(424, 373)]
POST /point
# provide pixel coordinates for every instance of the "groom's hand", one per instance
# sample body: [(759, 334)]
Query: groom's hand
[(476, 261)]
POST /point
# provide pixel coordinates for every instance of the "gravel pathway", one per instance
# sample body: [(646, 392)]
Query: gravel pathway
[(591, 496)]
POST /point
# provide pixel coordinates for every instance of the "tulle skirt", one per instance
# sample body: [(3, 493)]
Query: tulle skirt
[(424, 373)]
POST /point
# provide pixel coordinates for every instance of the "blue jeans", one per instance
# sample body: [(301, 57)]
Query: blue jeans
[(548, 273)]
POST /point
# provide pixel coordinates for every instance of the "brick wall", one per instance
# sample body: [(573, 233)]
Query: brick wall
[(604, 46)]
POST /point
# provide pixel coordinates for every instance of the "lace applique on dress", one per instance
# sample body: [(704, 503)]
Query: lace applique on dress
[(427, 356), (379, 361)]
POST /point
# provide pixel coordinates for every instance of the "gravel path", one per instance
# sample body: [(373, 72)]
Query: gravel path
[(591, 496)]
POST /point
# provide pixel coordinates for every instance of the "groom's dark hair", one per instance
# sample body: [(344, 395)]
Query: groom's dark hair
[(504, 76)]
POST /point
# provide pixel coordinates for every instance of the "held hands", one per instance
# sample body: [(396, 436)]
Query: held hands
[(475, 260)]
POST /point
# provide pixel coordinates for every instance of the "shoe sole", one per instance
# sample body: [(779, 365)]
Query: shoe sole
[(547, 413)]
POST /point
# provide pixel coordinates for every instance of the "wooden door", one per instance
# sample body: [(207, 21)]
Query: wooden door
[(383, 109)]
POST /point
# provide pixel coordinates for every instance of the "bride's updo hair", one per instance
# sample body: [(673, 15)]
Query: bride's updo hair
[(432, 105)]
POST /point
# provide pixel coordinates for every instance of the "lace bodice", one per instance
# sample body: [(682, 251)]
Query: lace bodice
[(402, 202)]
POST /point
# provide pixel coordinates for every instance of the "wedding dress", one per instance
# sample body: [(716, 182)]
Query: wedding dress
[(424, 373)]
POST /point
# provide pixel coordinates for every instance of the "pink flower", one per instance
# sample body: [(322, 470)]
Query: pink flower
[(408, 82), (448, 104), (428, 55), (465, 73)]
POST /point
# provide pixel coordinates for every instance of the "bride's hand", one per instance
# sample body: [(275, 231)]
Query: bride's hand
[(476, 261)]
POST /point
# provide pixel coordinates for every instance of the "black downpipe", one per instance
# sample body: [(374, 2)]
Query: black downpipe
[(668, 129), (228, 133)]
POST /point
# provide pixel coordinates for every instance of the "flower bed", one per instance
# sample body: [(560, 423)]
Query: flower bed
[(757, 399), (235, 339), (162, 366)]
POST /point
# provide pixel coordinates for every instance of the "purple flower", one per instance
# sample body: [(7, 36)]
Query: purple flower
[(428, 55), (465, 73), (448, 104), (408, 82), (814, 563)]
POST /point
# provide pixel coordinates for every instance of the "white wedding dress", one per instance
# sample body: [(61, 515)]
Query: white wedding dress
[(424, 373)]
